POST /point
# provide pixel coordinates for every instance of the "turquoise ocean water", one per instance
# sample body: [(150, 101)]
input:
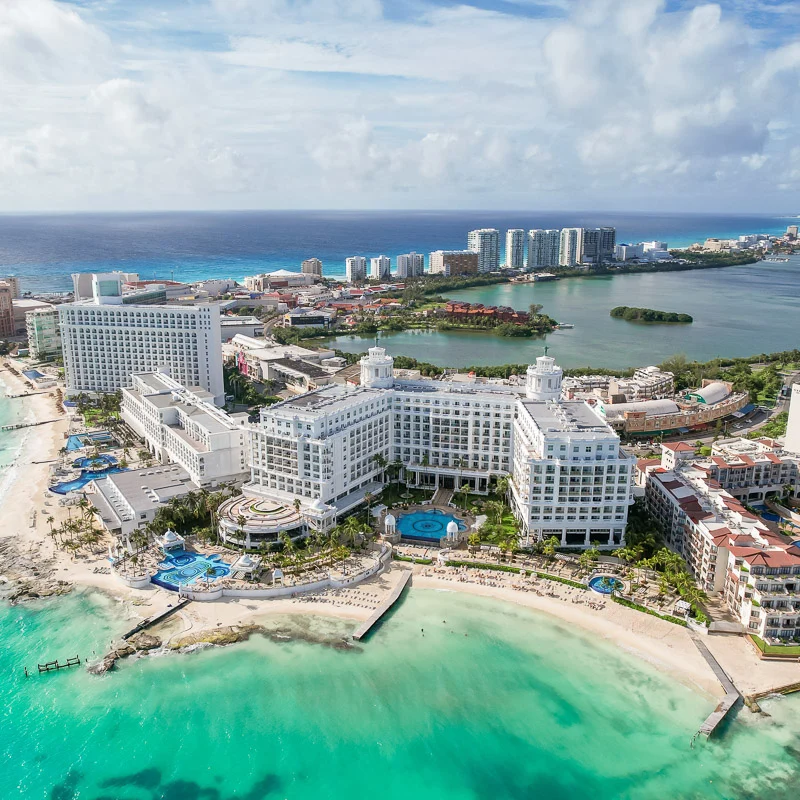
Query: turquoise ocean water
[(494, 701)]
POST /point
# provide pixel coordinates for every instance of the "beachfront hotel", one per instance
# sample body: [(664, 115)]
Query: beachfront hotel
[(109, 337), (732, 553), (183, 426), (44, 333), (570, 479), (325, 450)]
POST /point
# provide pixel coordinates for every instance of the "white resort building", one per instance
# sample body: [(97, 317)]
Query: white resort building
[(183, 426), (107, 338), (320, 453)]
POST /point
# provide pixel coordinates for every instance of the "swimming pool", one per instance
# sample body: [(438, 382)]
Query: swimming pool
[(427, 526), (78, 440), (33, 374), (181, 568), (95, 464), (86, 476), (606, 584)]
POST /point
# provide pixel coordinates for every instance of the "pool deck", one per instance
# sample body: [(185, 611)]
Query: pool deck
[(392, 598)]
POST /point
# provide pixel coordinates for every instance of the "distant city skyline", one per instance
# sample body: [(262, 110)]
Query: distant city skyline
[(215, 104)]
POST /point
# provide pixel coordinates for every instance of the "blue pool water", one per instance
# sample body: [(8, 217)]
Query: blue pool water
[(427, 526), (76, 441), (181, 567), (85, 477), (603, 584), (95, 464), (33, 374)]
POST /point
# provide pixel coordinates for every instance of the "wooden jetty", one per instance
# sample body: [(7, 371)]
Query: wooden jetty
[(54, 666), (150, 621), (732, 695), (394, 595), (28, 424)]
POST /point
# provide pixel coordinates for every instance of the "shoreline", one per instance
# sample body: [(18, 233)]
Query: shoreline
[(28, 556)]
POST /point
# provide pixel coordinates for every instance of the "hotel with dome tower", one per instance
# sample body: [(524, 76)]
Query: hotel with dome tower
[(314, 458)]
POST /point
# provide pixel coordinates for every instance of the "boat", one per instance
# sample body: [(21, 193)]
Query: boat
[(565, 325)]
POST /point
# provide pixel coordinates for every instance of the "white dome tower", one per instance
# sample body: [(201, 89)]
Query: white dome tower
[(377, 369), (543, 381)]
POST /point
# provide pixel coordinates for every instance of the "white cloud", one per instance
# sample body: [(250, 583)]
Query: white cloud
[(294, 103)]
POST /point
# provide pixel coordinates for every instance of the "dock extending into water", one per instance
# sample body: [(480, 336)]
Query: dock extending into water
[(27, 424), (393, 597), (732, 695), (150, 621), (54, 666)]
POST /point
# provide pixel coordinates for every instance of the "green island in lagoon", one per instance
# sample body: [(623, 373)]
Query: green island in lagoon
[(649, 315)]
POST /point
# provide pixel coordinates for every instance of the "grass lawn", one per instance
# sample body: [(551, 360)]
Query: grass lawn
[(776, 649), (392, 495)]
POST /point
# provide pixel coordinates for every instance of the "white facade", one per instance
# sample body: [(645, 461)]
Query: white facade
[(410, 265), (106, 340), (486, 241), (515, 248), (628, 252), (380, 267), (184, 427), (571, 247), (44, 333), (543, 248), (792, 440), (322, 446), (355, 269), (569, 477)]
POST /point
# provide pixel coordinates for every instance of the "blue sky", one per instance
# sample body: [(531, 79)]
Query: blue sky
[(541, 104)]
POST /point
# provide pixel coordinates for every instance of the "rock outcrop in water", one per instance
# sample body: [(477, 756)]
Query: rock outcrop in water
[(229, 634)]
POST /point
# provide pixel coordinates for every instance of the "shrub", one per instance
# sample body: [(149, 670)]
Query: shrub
[(636, 607)]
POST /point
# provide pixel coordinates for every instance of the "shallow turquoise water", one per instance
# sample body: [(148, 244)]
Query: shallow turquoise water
[(516, 708)]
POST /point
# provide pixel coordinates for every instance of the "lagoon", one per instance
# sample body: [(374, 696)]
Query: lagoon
[(493, 701), (738, 311)]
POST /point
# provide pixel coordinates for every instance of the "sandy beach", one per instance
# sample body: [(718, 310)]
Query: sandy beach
[(29, 553)]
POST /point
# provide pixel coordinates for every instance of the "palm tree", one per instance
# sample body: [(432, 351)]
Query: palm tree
[(241, 521), (465, 494), (474, 542), (501, 487), (381, 462), (368, 498), (550, 545)]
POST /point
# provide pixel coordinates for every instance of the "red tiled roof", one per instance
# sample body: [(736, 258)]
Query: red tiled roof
[(679, 447)]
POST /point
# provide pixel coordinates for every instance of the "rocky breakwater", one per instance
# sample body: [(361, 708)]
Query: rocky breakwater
[(140, 643), (27, 573), (145, 643)]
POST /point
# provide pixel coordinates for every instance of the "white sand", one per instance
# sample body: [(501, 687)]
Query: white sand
[(662, 644)]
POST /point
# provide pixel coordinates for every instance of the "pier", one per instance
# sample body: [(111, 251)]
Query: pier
[(732, 695), (364, 629), (150, 621), (28, 424), (54, 666)]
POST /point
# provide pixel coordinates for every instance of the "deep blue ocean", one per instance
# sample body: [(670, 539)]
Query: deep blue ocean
[(44, 249)]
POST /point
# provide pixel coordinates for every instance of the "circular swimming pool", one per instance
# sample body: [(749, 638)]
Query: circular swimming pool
[(606, 584), (95, 463), (183, 567), (427, 525)]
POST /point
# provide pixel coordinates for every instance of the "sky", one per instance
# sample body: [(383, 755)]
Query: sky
[(662, 105)]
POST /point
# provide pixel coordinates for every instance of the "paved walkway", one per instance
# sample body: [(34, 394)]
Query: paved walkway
[(732, 695)]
